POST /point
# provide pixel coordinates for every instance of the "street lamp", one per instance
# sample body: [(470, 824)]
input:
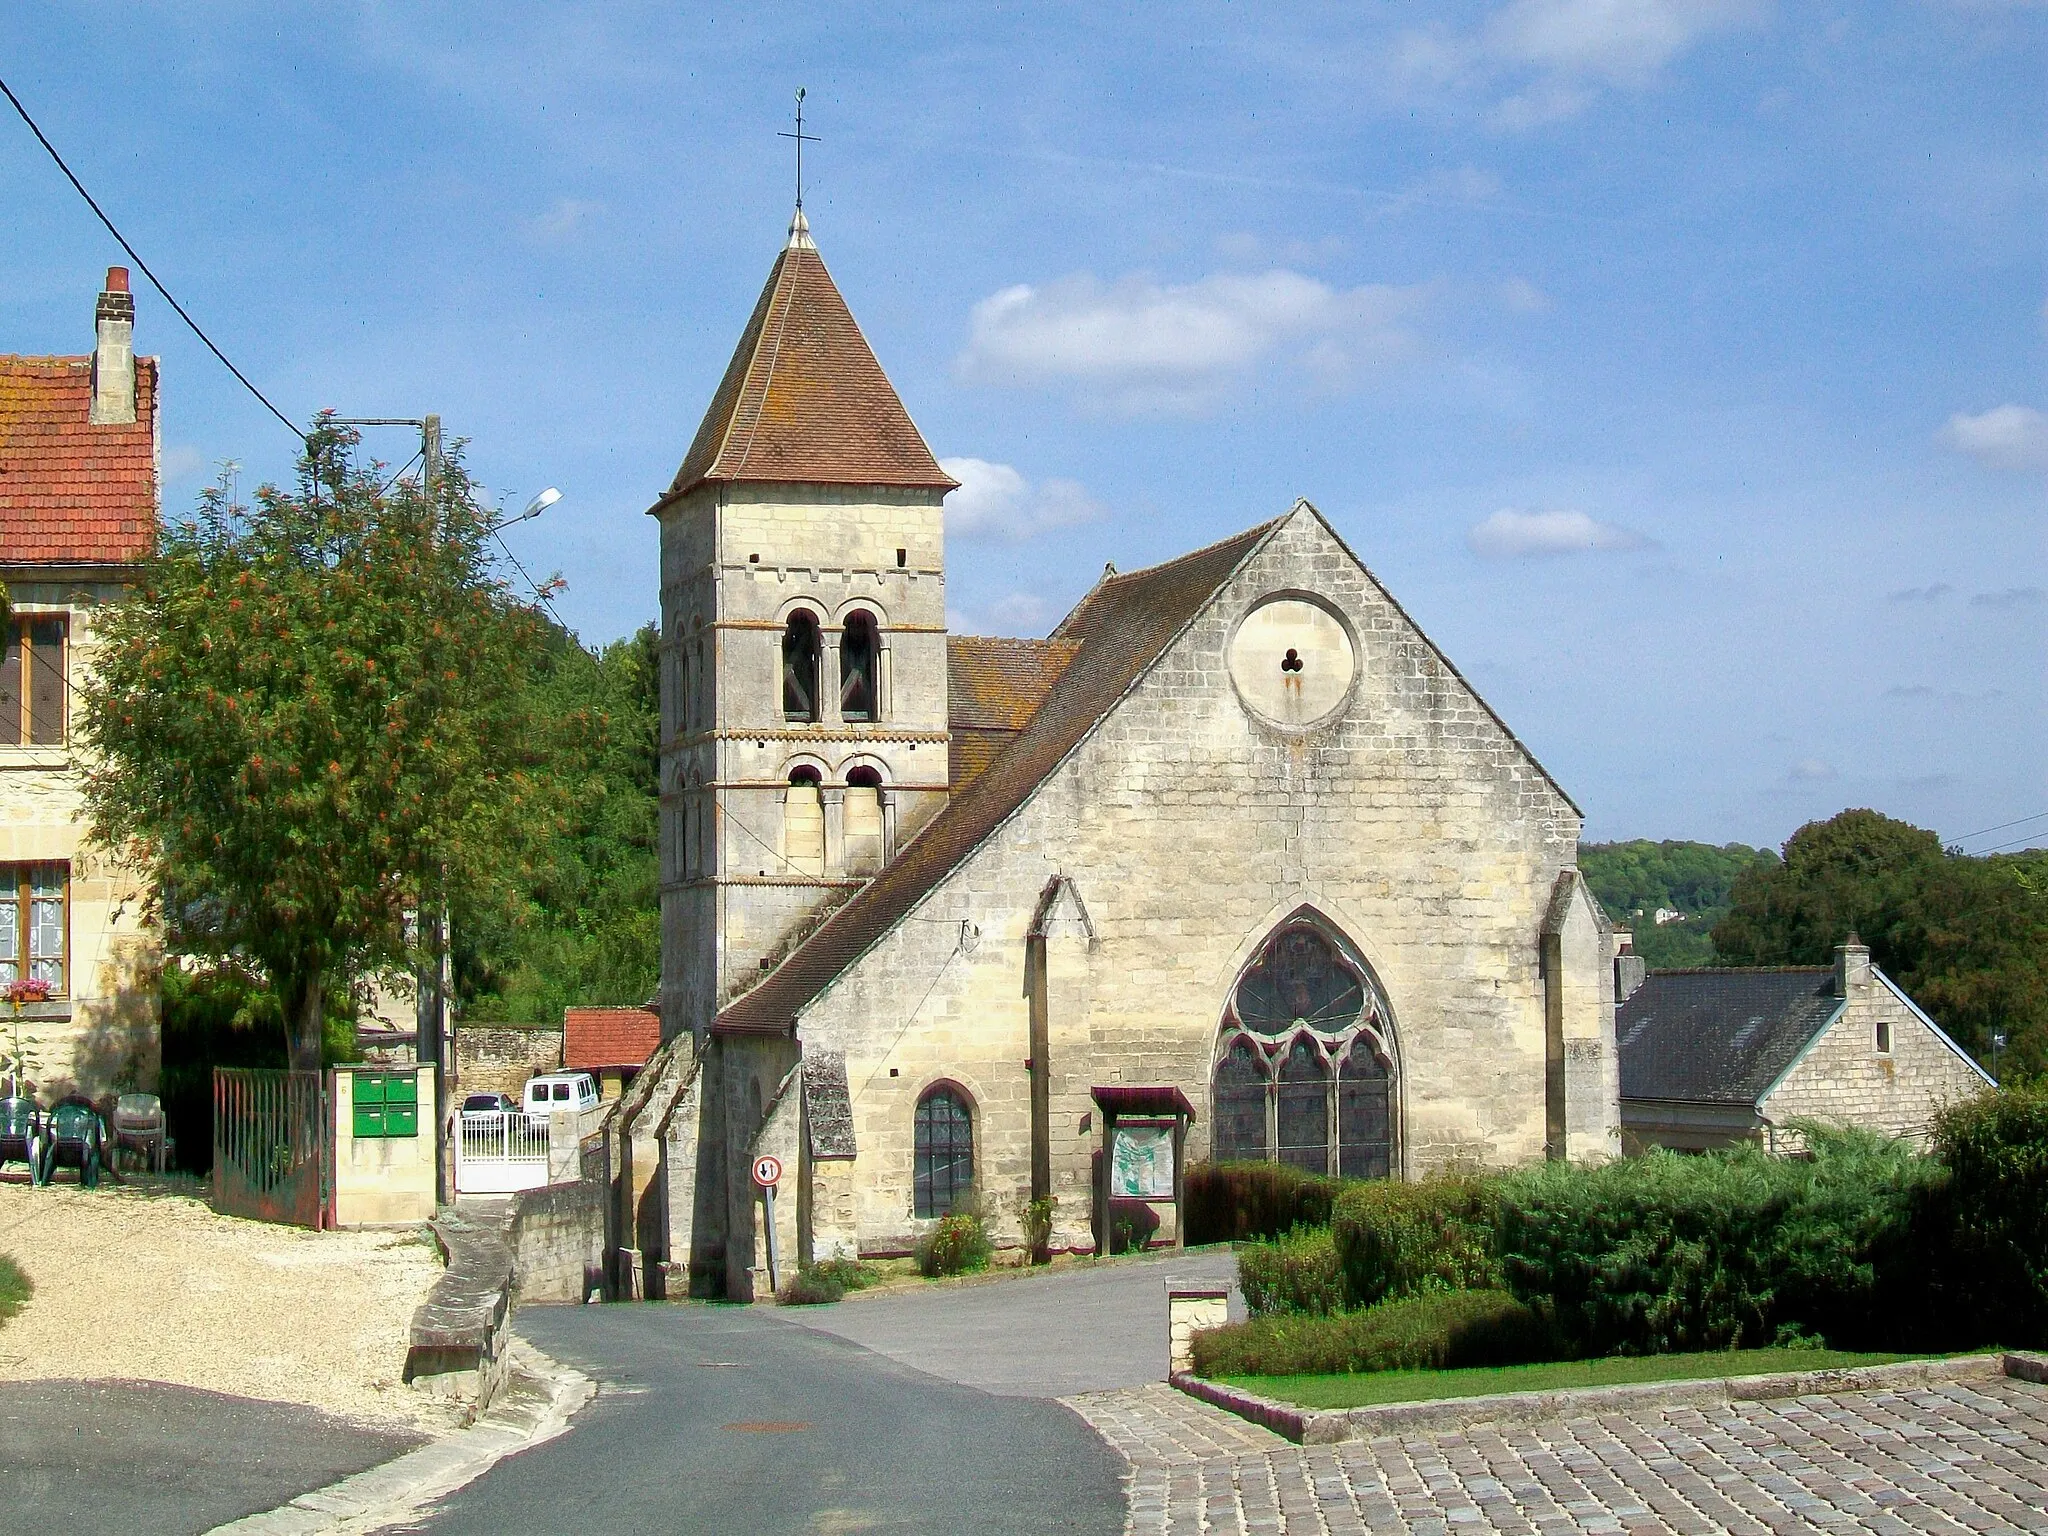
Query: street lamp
[(534, 508)]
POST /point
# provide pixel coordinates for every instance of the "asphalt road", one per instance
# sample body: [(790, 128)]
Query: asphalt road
[(741, 1422), (79, 1456)]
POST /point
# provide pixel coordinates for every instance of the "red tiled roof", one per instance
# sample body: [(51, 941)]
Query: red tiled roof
[(993, 688), (803, 399), (1119, 629), (608, 1037), (72, 493)]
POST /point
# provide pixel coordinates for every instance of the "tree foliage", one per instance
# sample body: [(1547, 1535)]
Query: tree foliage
[(311, 716), (1966, 937), (586, 929), (1634, 880)]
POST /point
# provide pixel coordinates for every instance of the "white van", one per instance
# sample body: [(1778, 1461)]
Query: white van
[(554, 1091)]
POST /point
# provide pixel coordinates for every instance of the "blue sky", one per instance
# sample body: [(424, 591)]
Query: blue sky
[(1677, 363)]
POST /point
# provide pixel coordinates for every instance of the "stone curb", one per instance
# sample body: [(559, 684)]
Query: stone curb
[(1310, 1426), (455, 1347), (385, 1495)]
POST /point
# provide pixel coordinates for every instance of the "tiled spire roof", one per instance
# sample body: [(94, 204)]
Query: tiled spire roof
[(803, 400), (72, 491)]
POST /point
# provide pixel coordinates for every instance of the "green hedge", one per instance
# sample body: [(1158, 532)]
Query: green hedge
[(1396, 1240), (1230, 1202), (1990, 1221), (1731, 1250), (1435, 1331), (1292, 1274)]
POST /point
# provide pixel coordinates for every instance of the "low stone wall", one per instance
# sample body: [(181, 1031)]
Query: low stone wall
[(457, 1345), (556, 1237)]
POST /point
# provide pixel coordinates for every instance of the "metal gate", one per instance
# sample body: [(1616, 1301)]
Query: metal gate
[(270, 1144)]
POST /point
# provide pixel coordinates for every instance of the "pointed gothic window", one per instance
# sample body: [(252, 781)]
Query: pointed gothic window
[(944, 1165), (858, 648), (800, 667), (803, 823), (1305, 1075)]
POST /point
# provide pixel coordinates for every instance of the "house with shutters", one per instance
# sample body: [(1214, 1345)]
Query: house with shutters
[(1233, 864), (78, 511)]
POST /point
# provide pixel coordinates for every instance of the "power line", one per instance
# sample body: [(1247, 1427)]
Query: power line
[(2001, 847), (2019, 822), (155, 281)]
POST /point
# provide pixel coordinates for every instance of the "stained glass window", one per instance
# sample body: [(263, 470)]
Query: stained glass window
[(1364, 1114), (1241, 1104), (1304, 1118), (1298, 981)]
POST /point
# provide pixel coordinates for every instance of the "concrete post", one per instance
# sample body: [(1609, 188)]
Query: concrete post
[(1186, 1312)]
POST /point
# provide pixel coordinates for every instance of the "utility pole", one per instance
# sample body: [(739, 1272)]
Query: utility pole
[(436, 975)]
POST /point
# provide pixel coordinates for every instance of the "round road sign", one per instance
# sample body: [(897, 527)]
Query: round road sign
[(767, 1171)]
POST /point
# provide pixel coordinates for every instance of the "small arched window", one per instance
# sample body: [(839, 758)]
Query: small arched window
[(691, 853), (945, 1151), (800, 667), (863, 826), (803, 823), (859, 648)]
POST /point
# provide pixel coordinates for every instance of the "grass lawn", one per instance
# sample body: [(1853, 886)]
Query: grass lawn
[(1364, 1389), (14, 1288)]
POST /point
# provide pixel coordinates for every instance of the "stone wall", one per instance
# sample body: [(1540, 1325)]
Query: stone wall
[(557, 1237), (1845, 1078), (499, 1058), (1187, 829)]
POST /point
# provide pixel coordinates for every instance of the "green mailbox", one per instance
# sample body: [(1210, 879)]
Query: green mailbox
[(386, 1104)]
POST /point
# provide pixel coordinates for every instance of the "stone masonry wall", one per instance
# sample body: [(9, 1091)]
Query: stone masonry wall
[(499, 1058), (1413, 823), (1845, 1079)]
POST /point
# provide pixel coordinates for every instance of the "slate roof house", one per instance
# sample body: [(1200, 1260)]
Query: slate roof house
[(1236, 841), (78, 511), (1714, 1057)]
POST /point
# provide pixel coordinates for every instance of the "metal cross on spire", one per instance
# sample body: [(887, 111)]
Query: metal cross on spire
[(802, 139)]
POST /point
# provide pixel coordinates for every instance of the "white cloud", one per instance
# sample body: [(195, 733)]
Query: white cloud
[(1523, 296), (1513, 535), (1013, 613), (2011, 597), (1933, 592), (2004, 437), (1552, 57), (562, 220), (181, 461), (1140, 345), (1811, 770), (994, 501)]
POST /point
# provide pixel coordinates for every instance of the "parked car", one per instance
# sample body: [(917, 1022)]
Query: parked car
[(488, 1104), (554, 1091)]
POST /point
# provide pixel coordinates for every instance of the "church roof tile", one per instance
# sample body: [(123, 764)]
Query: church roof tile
[(803, 400), (1118, 630), (73, 492)]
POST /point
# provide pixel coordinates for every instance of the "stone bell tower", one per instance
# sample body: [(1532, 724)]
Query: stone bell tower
[(803, 609)]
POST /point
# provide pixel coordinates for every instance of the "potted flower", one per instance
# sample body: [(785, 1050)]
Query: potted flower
[(19, 994)]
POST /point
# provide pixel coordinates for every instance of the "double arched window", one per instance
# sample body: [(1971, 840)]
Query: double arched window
[(944, 1150), (1305, 1069), (800, 651)]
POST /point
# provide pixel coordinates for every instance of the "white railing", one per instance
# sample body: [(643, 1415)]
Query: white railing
[(499, 1153)]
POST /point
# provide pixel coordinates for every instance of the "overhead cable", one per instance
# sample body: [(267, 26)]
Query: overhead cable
[(121, 239)]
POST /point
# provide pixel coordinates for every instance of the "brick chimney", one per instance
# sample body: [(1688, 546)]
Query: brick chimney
[(113, 357), (1852, 966)]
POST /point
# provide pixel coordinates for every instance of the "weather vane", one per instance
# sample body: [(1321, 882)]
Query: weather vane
[(802, 139)]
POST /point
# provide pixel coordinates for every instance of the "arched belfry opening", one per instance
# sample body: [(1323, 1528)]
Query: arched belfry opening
[(1306, 1070), (800, 652)]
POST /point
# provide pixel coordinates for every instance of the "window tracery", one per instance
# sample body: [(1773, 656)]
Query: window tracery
[(1304, 1073)]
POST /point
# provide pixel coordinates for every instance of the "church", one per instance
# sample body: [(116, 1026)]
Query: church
[(1233, 864)]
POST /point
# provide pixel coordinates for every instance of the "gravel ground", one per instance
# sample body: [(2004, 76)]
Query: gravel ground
[(135, 1283)]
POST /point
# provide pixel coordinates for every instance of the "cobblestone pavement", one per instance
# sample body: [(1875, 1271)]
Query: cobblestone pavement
[(1957, 1458)]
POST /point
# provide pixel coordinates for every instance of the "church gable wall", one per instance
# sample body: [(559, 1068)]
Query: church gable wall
[(1189, 828)]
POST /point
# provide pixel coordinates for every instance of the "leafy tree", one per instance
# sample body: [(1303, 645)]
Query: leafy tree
[(1966, 937), (587, 930), (311, 716), (1634, 879)]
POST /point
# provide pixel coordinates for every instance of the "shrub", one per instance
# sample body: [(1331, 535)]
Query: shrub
[(1229, 1202), (1038, 1216), (1991, 1221), (958, 1245), (1436, 1331), (1292, 1274), (1396, 1240), (811, 1286), (849, 1273), (14, 1288), (1666, 1253)]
